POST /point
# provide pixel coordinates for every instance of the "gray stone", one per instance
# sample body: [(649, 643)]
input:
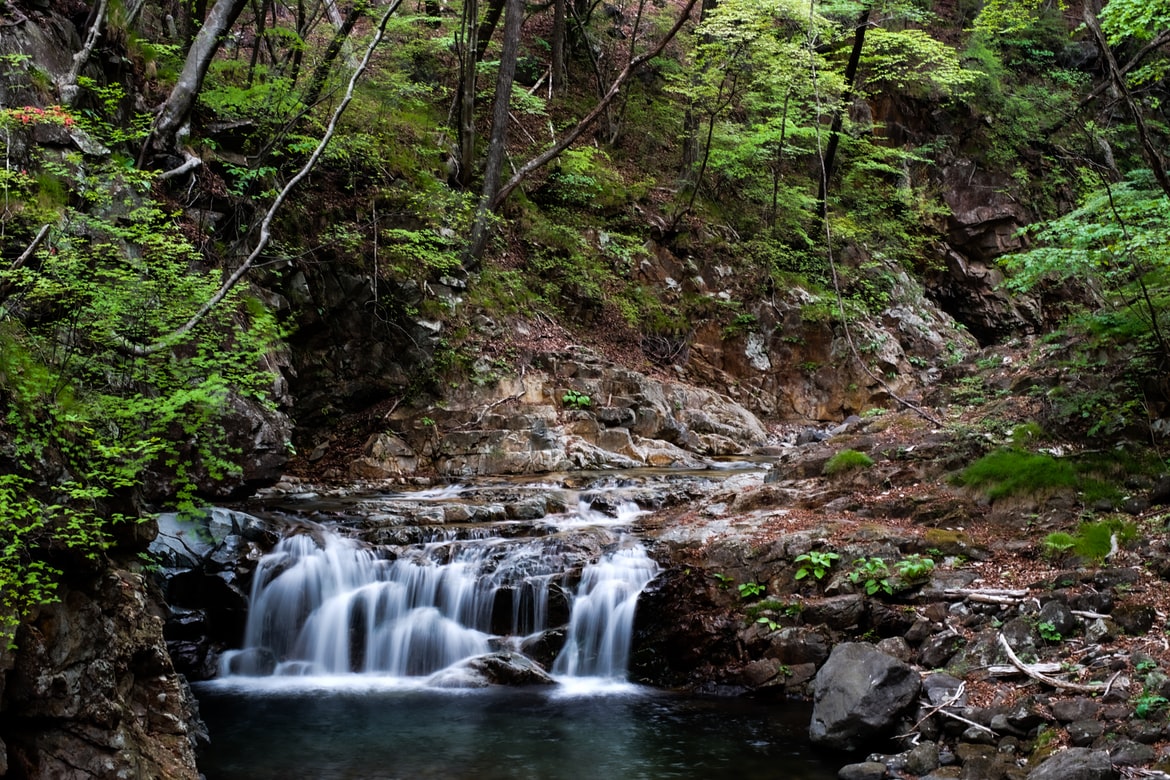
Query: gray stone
[(1083, 733), (1126, 752), (1076, 763), (860, 692), (1101, 631), (1060, 616), (1069, 710), (866, 770)]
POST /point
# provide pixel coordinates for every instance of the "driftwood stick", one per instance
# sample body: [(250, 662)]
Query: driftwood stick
[(957, 695), (1055, 683)]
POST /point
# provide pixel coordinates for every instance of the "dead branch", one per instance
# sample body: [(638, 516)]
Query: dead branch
[(67, 86), (142, 350), (1037, 676)]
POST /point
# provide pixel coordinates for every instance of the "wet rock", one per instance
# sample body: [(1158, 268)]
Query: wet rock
[(92, 691), (919, 760), (253, 662), (1076, 763), (864, 770), (1063, 621), (502, 668), (837, 613), (859, 694)]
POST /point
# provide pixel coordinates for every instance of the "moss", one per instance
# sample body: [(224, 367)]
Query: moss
[(1015, 472), (846, 461)]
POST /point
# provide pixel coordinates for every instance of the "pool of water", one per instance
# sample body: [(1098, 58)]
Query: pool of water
[(623, 733)]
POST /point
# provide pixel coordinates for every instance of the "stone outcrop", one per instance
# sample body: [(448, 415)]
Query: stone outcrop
[(524, 425), (91, 692)]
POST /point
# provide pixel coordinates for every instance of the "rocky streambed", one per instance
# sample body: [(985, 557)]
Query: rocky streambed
[(935, 641)]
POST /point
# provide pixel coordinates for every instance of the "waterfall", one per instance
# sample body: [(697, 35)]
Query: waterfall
[(602, 617), (322, 604)]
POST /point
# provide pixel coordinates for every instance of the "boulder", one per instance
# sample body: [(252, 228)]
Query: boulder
[(860, 692), (1075, 764), (502, 668)]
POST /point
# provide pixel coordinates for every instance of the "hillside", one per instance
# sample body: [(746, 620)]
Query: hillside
[(259, 247)]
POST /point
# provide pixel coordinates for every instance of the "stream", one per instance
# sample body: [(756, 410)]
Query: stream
[(406, 635)]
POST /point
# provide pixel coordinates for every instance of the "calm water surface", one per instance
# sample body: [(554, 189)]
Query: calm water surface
[(627, 733)]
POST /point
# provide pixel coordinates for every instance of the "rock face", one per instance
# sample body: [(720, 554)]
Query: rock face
[(92, 692), (860, 692), (524, 425)]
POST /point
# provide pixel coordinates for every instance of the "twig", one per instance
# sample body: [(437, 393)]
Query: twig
[(958, 694), (968, 721), (142, 350), (24, 256), (190, 163), (1030, 672), (67, 86)]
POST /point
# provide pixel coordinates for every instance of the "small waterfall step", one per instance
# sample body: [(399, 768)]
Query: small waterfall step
[(325, 604)]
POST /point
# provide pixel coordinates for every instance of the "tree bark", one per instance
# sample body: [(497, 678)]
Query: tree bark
[(497, 146), (839, 114), (336, 44), (551, 153), (466, 94), (1149, 151), (177, 108), (487, 28), (559, 69)]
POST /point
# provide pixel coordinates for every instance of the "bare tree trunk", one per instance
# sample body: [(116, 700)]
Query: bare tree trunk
[(466, 96), (551, 153), (177, 108), (1149, 151), (487, 28), (336, 44), (559, 69), (497, 147), (839, 114)]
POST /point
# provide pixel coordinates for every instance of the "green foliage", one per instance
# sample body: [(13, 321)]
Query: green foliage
[(418, 254), (914, 568), (723, 580), (846, 461), (1149, 704), (749, 590), (872, 574), (1013, 472), (1048, 631), (576, 400), (1058, 543), (814, 562), (87, 420)]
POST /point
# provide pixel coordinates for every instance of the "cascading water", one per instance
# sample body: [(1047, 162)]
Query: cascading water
[(322, 604)]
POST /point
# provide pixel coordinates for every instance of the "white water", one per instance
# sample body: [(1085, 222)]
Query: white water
[(602, 622), (324, 605)]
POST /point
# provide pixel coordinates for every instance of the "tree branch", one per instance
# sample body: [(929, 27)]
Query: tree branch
[(1153, 157), (142, 350), (67, 86), (1037, 676), (542, 159)]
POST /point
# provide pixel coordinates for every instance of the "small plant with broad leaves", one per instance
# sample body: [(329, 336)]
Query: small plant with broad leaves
[(814, 562), (574, 399), (914, 568), (872, 574), (749, 590), (1048, 631)]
